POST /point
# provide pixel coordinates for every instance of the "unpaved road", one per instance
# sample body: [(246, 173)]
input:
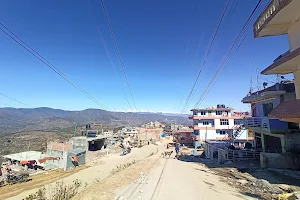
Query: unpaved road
[(174, 179), (95, 173)]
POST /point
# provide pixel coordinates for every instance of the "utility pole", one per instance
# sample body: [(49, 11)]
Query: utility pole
[(75, 129)]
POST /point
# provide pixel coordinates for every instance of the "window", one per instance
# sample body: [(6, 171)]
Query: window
[(203, 113), (205, 123), (237, 122), (222, 132), (268, 107), (218, 112), (224, 122)]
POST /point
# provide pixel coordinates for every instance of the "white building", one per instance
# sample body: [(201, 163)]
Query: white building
[(219, 123)]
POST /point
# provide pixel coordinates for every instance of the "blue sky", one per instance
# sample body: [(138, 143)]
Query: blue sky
[(153, 40)]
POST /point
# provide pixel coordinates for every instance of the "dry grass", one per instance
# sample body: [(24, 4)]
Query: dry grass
[(61, 191), (37, 181)]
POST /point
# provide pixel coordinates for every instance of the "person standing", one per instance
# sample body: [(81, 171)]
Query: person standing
[(177, 149)]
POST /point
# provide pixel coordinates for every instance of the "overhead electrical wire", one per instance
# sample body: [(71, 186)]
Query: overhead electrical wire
[(189, 41), (227, 21), (186, 52), (206, 55), (224, 62), (117, 50), (13, 99), (107, 52), (19, 41)]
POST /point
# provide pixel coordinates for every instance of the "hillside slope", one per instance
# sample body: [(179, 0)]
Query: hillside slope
[(28, 119)]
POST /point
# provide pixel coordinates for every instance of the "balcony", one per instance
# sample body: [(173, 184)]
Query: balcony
[(279, 25), (265, 124), (285, 63), (195, 117), (196, 127)]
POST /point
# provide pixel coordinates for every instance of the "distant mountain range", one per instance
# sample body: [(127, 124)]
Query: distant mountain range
[(26, 119)]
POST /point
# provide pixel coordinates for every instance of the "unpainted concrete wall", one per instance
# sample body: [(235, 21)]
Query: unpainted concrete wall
[(291, 140), (277, 161)]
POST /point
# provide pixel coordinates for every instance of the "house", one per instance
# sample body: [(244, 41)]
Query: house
[(218, 124), (282, 17), (270, 134), (184, 136), (278, 18)]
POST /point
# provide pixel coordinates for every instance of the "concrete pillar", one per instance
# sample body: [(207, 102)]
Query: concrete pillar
[(297, 83), (65, 160), (263, 142), (294, 37), (282, 140)]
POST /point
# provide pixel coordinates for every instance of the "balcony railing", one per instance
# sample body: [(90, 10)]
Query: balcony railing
[(267, 14), (273, 125), (257, 122)]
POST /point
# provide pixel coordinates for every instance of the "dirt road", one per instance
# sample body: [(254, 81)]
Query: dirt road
[(174, 179), (90, 175)]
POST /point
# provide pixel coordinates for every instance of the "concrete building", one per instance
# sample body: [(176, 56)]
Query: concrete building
[(130, 131), (184, 136), (211, 124), (270, 134), (64, 152), (282, 17)]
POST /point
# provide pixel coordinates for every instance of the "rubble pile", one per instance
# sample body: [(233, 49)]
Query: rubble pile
[(259, 188)]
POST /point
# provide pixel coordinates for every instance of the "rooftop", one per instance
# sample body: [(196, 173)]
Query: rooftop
[(270, 92), (219, 107), (288, 111), (27, 155)]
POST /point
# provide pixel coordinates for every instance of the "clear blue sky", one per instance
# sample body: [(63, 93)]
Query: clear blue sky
[(152, 37)]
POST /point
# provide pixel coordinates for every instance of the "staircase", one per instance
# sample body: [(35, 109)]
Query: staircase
[(237, 132)]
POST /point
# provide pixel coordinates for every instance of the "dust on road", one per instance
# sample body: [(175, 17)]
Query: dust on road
[(104, 189)]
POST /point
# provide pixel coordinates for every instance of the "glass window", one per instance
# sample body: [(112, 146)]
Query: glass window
[(203, 113), (224, 122), (268, 107), (205, 123), (222, 132), (237, 122), (218, 112)]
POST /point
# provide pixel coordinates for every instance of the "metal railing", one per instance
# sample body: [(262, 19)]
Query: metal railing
[(257, 122), (237, 155), (268, 13)]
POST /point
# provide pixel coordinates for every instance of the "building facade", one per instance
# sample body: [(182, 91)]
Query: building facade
[(211, 124), (282, 17), (270, 134)]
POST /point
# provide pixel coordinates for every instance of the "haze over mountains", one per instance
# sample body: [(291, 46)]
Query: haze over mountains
[(22, 119)]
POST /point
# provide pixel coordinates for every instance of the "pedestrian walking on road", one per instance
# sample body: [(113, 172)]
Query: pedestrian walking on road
[(177, 150)]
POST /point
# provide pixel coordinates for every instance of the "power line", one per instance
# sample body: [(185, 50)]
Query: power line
[(47, 63), (229, 52), (206, 55), (226, 22), (186, 52), (13, 99), (107, 52), (117, 49), (6, 104), (189, 41)]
